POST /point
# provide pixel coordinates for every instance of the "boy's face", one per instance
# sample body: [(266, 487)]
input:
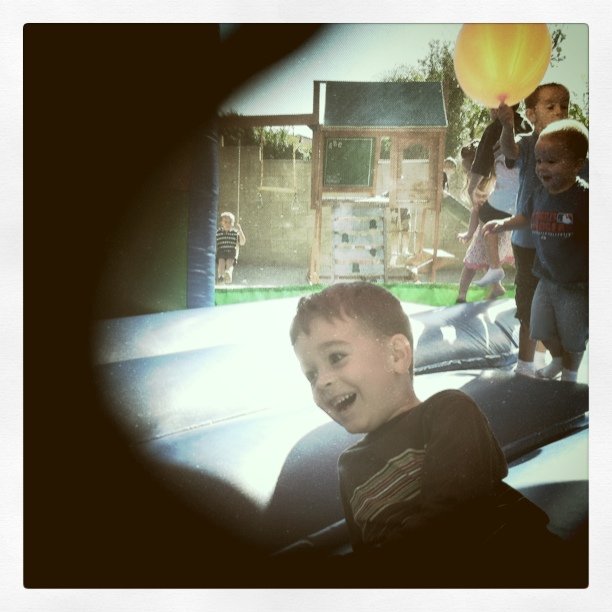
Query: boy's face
[(552, 105), (556, 166), (358, 379), (226, 223)]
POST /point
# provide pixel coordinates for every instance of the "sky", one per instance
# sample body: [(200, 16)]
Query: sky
[(368, 52)]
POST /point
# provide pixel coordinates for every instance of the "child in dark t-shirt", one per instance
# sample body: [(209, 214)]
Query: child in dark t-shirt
[(558, 212), (426, 481)]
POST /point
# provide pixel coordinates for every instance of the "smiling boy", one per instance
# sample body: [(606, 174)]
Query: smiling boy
[(425, 481), (558, 213)]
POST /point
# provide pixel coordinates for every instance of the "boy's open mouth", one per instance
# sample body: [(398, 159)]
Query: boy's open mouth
[(343, 402)]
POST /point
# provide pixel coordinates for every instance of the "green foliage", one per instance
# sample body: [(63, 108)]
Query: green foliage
[(276, 143), (233, 135), (557, 36), (580, 112)]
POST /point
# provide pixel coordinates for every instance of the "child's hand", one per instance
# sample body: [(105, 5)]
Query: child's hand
[(492, 227), (505, 114), (464, 237)]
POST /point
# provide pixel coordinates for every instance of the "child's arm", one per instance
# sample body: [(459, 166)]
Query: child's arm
[(475, 180), (503, 225), (467, 236), (507, 141), (241, 236)]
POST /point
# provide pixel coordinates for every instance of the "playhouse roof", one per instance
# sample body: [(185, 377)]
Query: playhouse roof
[(359, 104)]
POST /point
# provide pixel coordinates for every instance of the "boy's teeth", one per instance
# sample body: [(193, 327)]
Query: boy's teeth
[(342, 399)]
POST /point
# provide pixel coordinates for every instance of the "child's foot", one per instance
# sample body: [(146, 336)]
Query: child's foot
[(496, 291), (552, 370), (539, 360), (227, 277), (492, 276), (525, 368), (569, 375)]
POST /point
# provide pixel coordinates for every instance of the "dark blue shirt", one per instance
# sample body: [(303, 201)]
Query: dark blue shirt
[(560, 229)]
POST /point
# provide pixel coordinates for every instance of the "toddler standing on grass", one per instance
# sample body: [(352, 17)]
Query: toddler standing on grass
[(229, 239)]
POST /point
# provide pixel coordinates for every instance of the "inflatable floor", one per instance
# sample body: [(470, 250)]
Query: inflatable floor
[(214, 402)]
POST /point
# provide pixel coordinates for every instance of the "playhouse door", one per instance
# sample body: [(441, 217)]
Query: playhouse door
[(408, 204)]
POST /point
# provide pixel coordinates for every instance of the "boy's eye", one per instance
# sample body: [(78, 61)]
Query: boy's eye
[(336, 357), (311, 376)]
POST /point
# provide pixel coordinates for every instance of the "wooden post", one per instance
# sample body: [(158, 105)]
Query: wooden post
[(238, 189), (315, 252), (439, 166), (316, 195)]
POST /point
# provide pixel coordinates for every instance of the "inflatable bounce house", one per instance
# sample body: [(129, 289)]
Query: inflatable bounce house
[(190, 445)]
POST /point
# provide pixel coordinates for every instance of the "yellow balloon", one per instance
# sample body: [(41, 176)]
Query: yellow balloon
[(501, 62)]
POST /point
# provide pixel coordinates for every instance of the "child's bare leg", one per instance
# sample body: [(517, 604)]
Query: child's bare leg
[(497, 290), (229, 270), (539, 357), (495, 272), (492, 250), (526, 350), (555, 367), (571, 363), (467, 276), (220, 269), (526, 343)]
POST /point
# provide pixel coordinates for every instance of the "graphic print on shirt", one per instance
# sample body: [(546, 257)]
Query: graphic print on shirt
[(552, 224), (377, 504)]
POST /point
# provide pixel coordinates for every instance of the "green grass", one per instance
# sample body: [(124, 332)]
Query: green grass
[(431, 294)]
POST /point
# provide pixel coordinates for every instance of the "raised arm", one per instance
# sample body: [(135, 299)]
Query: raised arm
[(507, 141)]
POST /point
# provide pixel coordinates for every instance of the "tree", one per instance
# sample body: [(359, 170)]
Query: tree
[(557, 37), (438, 66), (578, 110)]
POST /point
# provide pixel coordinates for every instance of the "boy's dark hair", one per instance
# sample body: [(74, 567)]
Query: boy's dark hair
[(368, 303), (532, 99), (573, 134)]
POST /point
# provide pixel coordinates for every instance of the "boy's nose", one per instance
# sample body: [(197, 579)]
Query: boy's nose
[(324, 381)]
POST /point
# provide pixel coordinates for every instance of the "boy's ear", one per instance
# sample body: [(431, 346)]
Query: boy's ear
[(530, 114), (579, 165), (401, 354)]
